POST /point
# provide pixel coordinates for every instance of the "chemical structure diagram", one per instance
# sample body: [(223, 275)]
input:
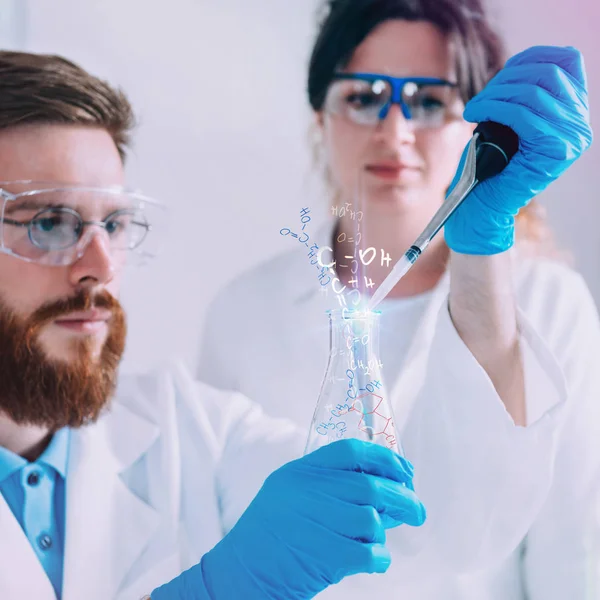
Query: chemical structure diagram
[(370, 406), (372, 421)]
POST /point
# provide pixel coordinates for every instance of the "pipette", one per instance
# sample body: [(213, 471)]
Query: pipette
[(489, 151)]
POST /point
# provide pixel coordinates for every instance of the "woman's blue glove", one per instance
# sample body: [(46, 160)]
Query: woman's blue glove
[(315, 521), (541, 94)]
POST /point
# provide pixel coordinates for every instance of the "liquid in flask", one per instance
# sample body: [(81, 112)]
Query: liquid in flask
[(353, 401)]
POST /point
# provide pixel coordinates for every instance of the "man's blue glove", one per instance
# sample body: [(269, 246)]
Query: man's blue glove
[(541, 94), (315, 521)]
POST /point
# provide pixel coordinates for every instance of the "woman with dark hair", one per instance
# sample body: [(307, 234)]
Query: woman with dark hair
[(488, 343)]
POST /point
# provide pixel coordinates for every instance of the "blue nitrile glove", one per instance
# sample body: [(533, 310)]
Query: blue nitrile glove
[(541, 94), (315, 521)]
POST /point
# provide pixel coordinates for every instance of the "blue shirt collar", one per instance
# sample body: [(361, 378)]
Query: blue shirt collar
[(9, 463), (55, 456), (57, 452)]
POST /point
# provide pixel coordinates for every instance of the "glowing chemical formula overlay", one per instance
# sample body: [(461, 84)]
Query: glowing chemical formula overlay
[(304, 238), (327, 275)]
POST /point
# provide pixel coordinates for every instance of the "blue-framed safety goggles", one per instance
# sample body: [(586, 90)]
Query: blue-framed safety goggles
[(366, 98)]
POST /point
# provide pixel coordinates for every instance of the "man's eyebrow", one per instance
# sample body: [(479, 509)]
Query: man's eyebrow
[(30, 204)]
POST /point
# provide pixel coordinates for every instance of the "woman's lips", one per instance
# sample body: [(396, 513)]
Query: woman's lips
[(394, 172)]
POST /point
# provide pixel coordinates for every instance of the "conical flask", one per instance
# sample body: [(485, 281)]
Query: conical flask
[(353, 402)]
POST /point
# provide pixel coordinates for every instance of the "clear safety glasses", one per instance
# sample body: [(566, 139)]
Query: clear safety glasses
[(47, 223), (366, 98)]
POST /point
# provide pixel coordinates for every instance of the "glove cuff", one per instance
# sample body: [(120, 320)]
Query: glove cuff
[(189, 585), (225, 576), (500, 243)]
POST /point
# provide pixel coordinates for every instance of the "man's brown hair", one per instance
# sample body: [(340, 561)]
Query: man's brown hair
[(49, 89)]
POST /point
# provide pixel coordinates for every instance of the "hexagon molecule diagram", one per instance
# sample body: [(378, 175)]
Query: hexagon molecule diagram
[(380, 422)]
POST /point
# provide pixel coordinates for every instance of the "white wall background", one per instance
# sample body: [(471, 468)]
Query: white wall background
[(219, 89)]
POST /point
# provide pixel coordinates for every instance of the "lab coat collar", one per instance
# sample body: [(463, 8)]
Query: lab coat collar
[(108, 526)]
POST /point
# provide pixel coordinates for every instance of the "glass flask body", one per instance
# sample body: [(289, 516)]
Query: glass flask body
[(353, 402)]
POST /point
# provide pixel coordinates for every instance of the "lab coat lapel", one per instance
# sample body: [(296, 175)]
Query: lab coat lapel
[(21, 573), (108, 526)]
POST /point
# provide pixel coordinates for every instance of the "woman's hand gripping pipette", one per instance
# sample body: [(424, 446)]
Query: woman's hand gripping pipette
[(487, 153), (541, 96)]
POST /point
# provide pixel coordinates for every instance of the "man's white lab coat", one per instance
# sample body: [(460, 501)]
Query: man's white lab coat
[(149, 489), (511, 510)]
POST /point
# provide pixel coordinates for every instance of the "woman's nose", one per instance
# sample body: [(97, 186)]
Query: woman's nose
[(396, 127)]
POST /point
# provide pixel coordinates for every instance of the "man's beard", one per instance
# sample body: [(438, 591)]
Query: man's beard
[(38, 390)]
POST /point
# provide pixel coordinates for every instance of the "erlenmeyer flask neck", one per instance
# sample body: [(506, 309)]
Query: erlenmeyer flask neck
[(354, 335)]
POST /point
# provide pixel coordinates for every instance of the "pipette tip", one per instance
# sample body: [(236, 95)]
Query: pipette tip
[(400, 269)]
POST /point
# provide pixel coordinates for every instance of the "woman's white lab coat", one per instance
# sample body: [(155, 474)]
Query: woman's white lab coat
[(512, 512)]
